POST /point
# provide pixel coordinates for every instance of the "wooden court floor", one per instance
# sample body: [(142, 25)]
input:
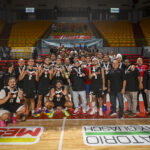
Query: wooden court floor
[(66, 134)]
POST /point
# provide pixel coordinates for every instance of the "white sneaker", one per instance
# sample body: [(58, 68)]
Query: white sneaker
[(84, 111), (92, 112), (76, 111), (100, 112), (113, 114)]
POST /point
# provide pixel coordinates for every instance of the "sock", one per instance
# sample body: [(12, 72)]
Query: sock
[(93, 104), (33, 111), (39, 108)]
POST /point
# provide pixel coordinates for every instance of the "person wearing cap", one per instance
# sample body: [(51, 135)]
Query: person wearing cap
[(96, 74), (146, 83), (116, 88), (78, 79)]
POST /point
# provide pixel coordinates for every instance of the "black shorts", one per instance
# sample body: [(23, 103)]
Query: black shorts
[(99, 93), (12, 107), (60, 103), (29, 93)]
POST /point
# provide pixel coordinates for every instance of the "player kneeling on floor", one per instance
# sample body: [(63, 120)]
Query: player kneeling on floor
[(10, 102), (58, 98)]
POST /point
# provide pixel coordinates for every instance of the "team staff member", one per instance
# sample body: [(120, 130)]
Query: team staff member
[(146, 82), (78, 79), (142, 68), (30, 77), (45, 77), (133, 84), (58, 97), (10, 97), (116, 88), (96, 74)]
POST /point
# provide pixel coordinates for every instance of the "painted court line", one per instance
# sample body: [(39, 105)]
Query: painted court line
[(62, 134)]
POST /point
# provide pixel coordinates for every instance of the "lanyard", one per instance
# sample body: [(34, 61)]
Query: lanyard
[(140, 70), (126, 71)]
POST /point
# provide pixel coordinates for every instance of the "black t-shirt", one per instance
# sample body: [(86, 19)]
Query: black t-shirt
[(132, 79), (116, 78), (146, 79)]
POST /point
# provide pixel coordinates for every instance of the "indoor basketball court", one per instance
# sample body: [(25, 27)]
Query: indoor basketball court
[(66, 134)]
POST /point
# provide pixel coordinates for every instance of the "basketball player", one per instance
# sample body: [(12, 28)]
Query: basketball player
[(10, 97), (96, 74), (30, 77), (78, 79), (45, 77), (58, 98)]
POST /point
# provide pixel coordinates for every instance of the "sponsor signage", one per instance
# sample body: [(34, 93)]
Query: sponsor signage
[(20, 135), (116, 135)]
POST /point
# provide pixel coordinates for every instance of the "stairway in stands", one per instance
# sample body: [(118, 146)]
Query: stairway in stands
[(97, 34), (44, 36), (4, 36), (138, 35)]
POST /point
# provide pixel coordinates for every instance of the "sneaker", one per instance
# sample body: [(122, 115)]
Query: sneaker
[(76, 111), (22, 118), (84, 111), (52, 114), (132, 114), (93, 112), (46, 112), (13, 119), (34, 115), (39, 113), (127, 112), (66, 113), (100, 112), (3, 123), (120, 117), (112, 114)]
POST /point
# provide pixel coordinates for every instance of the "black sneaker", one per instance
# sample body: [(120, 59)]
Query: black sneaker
[(112, 114), (132, 114), (127, 112), (120, 117)]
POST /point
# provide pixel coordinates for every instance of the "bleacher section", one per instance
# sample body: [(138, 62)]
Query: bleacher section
[(71, 29), (26, 33), (145, 26), (117, 34)]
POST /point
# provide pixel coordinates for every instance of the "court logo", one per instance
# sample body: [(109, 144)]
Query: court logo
[(116, 135), (20, 135)]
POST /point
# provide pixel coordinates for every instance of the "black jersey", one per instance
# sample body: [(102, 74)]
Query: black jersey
[(30, 79), (18, 71), (44, 81), (58, 75), (13, 99), (59, 98), (96, 81)]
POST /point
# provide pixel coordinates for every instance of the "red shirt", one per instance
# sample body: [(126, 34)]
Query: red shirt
[(142, 69), (87, 68)]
